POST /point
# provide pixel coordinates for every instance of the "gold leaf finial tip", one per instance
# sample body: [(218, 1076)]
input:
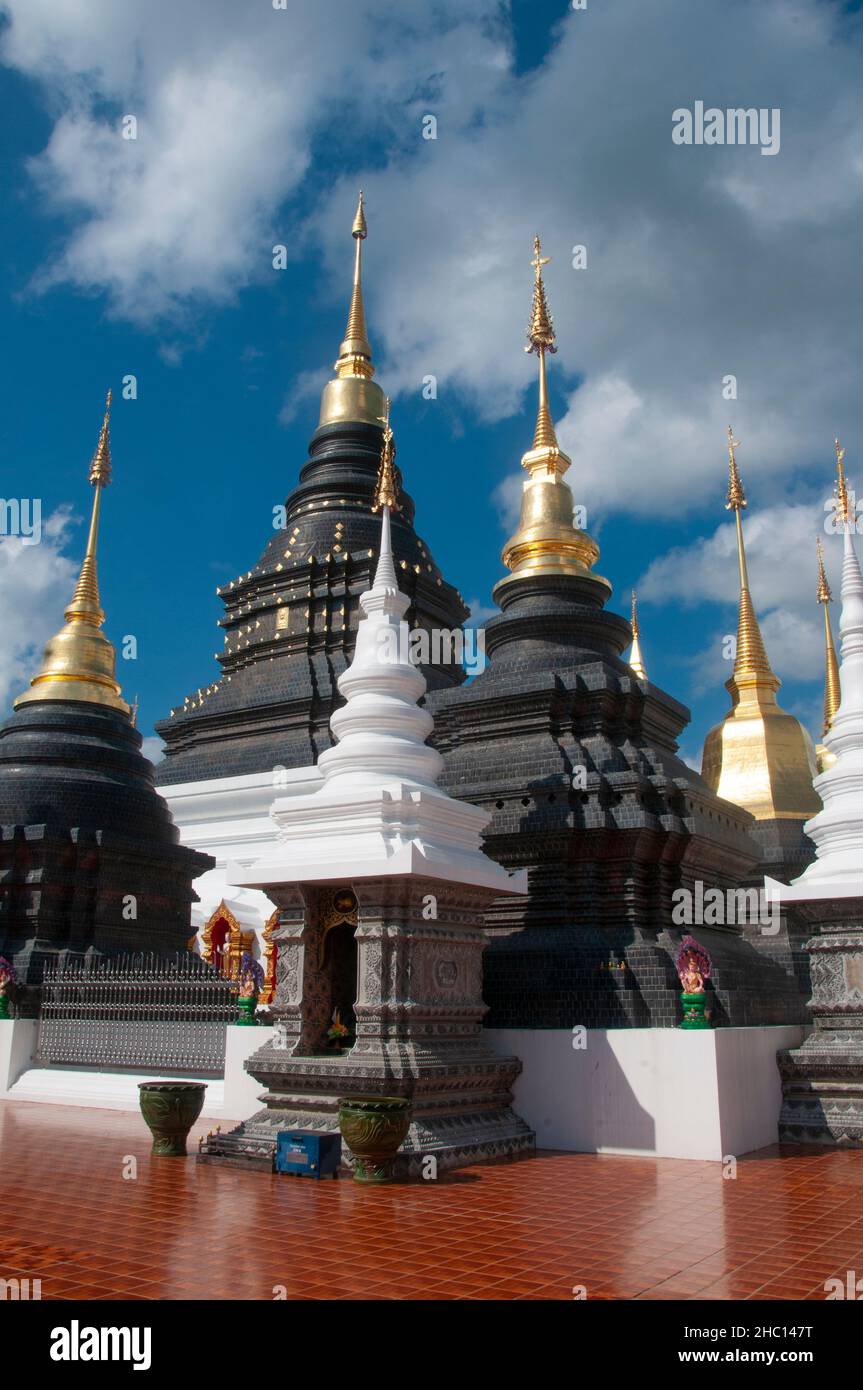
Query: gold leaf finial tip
[(100, 464), (840, 488), (736, 498), (360, 229)]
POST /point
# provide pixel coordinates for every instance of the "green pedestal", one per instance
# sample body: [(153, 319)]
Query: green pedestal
[(693, 1010), (247, 1008)]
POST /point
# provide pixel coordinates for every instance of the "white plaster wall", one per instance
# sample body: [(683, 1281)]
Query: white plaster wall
[(17, 1049), (101, 1090), (234, 1099), (669, 1092), (242, 1092)]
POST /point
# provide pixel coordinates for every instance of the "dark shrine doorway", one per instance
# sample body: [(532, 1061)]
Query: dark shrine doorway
[(339, 959)]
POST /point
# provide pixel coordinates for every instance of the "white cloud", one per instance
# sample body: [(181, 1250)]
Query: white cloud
[(480, 612), (36, 583), (702, 261), (229, 100), (153, 748), (780, 556)]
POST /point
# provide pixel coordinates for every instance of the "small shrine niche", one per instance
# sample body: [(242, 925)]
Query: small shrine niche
[(337, 966), (223, 942)]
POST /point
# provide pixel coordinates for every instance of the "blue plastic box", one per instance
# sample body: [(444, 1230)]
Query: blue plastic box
[(308, 1153)]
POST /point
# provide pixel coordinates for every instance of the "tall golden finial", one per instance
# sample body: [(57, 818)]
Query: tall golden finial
[(840, 489), (832, 682), (355, 354), (352, 396), (759, 756), (547, 541), (635, 661), (751, 666), (79, 661), (388, 485), (85, 600), (541, 339)]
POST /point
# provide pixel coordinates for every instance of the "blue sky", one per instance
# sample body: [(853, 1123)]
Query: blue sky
[(154, 258)]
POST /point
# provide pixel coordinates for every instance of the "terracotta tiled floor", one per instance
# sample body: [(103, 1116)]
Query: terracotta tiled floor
[(622, 1227)]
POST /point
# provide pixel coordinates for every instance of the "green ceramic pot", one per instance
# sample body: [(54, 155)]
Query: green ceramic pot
[(4, 1006), (693, 1010), (170, 1108), (374, 1128)]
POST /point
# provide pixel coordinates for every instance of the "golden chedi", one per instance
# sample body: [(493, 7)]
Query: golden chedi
[(547, 541), (79, 661), (760, 757), (85, 833)]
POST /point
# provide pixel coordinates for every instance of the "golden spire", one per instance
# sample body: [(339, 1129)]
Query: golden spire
[(79, 660), (824, 595), (541, 339), (352, 395), (751, 666), (635, 661), (355, 354), (832, 686), (388, 483), (547, 540), (759, 756)]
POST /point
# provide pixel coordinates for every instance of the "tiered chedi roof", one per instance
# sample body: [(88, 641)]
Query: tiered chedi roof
[(290, 622), (378, 809), (90, 859), (575, 754)]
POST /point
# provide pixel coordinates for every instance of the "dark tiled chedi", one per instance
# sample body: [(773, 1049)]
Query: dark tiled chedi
[(291, 622), (83, 829), (603, 861)]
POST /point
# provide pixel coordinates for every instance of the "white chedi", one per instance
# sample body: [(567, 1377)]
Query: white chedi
[(381, 731), (378, 809), (837, 829)]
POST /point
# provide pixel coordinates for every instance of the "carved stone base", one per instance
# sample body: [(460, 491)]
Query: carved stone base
[(419, 1032), (822, 1090), (822, 1081), (461, 1106)]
